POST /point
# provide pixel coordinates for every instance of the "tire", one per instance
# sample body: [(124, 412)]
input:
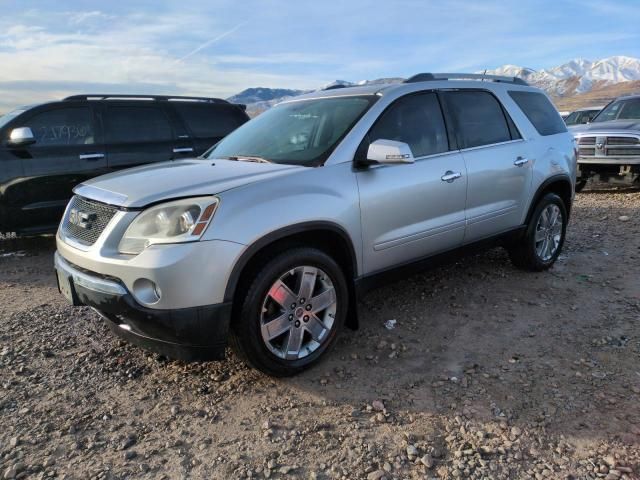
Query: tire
[(531, 253), (275, 297), (580, 184)]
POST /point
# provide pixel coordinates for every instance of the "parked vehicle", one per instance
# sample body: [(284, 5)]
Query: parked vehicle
[(582, 115), (270, 240), (609, 147), (47, 149)]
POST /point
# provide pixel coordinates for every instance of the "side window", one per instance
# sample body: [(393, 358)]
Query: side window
[(207, 121), (137, 124), (478, 118), (62, 127), (416, 120), (538, 109)]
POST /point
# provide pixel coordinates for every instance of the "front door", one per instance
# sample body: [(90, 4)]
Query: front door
[(414, 210), (68, 150)]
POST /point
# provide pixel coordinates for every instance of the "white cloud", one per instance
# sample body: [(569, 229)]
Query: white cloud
[(126, 55)]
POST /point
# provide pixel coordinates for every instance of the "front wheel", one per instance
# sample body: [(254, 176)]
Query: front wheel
[(543, 240), (291, 313)]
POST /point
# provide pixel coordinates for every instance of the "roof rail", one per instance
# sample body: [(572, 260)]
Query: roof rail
[(425, 77), (336, 86), (115, 96)]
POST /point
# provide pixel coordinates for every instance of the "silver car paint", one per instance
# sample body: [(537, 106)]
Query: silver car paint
[(392, 214)]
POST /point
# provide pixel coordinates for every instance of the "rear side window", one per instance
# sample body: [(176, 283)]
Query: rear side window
[(130, 124), (538, 109), (478, 118), (416, 120), (206, 121), (62, 127)]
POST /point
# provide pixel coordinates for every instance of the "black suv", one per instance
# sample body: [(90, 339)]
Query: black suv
[(47, 149)]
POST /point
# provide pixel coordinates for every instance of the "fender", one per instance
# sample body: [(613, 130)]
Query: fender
[(561, 177), (280, 234)]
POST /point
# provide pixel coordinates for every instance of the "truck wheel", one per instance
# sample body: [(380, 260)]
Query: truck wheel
[(542, 242), (291, 313), (580, 184)]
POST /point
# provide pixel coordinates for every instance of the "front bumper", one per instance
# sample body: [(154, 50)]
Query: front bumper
[(196, 333)]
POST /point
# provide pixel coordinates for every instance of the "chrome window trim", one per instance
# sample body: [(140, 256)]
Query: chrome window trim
[(470, 149)]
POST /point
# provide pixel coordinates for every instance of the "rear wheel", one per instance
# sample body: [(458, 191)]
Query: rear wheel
[(291, 313), (542, 242)]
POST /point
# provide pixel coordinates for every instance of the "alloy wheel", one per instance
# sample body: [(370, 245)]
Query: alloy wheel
[(298, 312), (548, 232)]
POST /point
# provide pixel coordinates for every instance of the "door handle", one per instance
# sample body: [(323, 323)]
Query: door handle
[(91, 156), (450, 176), (520, 161), (183, 150)]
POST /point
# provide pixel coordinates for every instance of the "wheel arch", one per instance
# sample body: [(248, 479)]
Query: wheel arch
[(326, 236), (560, 185)]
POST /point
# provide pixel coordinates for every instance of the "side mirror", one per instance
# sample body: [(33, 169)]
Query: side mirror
[(21, 137), (389, 152)]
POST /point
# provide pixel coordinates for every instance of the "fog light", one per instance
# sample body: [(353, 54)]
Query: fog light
[(146, 291)]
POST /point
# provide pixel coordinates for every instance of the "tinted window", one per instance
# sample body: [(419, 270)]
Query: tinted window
[(301, 132), (540, 112), (478, 118), (137, 124), (206, 121), (416, 120), (63, 126)]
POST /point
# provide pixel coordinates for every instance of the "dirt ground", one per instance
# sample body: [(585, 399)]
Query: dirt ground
[(490, 372)]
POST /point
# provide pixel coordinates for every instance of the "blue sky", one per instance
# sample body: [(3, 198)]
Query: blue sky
[(52, 48)]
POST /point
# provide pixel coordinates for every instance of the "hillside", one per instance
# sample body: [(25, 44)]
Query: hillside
[(575, 84)]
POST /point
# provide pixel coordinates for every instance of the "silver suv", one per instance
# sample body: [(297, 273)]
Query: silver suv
[(269, 239)]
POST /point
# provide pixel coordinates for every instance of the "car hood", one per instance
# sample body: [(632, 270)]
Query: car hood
[(607, 127), (141, 186)]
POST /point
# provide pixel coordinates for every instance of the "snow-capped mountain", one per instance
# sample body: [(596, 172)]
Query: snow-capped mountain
[(571, 78), (577, 76)]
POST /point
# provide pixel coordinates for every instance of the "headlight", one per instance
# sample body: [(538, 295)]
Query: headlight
[(171, 222)]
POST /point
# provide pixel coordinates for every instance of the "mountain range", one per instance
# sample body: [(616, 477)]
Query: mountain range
[(576, 77)]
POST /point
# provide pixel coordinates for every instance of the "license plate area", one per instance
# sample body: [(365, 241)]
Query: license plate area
[(65, 286)]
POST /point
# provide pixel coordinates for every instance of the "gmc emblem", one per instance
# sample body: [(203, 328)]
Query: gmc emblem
[(81, 219)]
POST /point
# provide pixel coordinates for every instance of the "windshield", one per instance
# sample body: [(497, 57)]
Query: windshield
[(580, 117), (6, 118), (297, 133), (628, 109)]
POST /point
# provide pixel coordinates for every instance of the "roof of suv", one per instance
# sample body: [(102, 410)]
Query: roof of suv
[(465, 81)]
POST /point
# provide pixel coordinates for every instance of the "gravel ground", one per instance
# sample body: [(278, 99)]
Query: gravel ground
[(490, 372)]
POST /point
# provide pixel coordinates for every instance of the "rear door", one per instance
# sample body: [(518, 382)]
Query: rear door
[(137, 133), (497, 159), (208, 123), (69, 149)]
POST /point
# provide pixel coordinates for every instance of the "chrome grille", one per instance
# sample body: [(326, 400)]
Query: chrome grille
[(622, 141), (608, 146), (86, 219), (588, 152)]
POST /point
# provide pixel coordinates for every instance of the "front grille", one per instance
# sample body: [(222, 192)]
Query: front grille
[(622, 141), (587, 152), (608, 146), (86, 219), (623, 152)]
